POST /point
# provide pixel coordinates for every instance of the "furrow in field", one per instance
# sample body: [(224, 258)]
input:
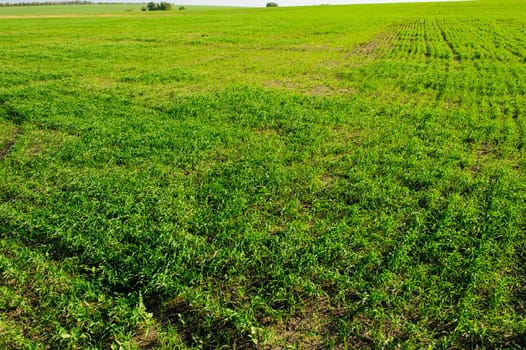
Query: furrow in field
[(419, 40), (427, 39), (380, 44), (507, 38), (448, 41), (438, 49)]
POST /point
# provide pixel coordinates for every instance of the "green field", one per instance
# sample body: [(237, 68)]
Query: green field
[(339, 177)]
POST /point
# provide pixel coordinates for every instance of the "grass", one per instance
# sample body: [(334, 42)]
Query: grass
[(334, 177)]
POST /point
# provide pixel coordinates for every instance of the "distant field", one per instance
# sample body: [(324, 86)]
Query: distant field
[(93, 9), (322, 177)]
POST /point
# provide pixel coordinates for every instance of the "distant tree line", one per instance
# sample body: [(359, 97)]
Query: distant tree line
[(152, 6), (45, 3)]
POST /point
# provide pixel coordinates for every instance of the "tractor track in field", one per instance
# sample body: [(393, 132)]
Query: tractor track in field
[(8, 147), (14, 117), (518, 125)]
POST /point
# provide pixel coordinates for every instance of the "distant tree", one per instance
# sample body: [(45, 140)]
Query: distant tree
[(163, 6), (152, 6), (181, 8), (272, 4)]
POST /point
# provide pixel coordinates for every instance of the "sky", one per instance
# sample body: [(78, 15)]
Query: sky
[(261, 3), (252, 3)]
